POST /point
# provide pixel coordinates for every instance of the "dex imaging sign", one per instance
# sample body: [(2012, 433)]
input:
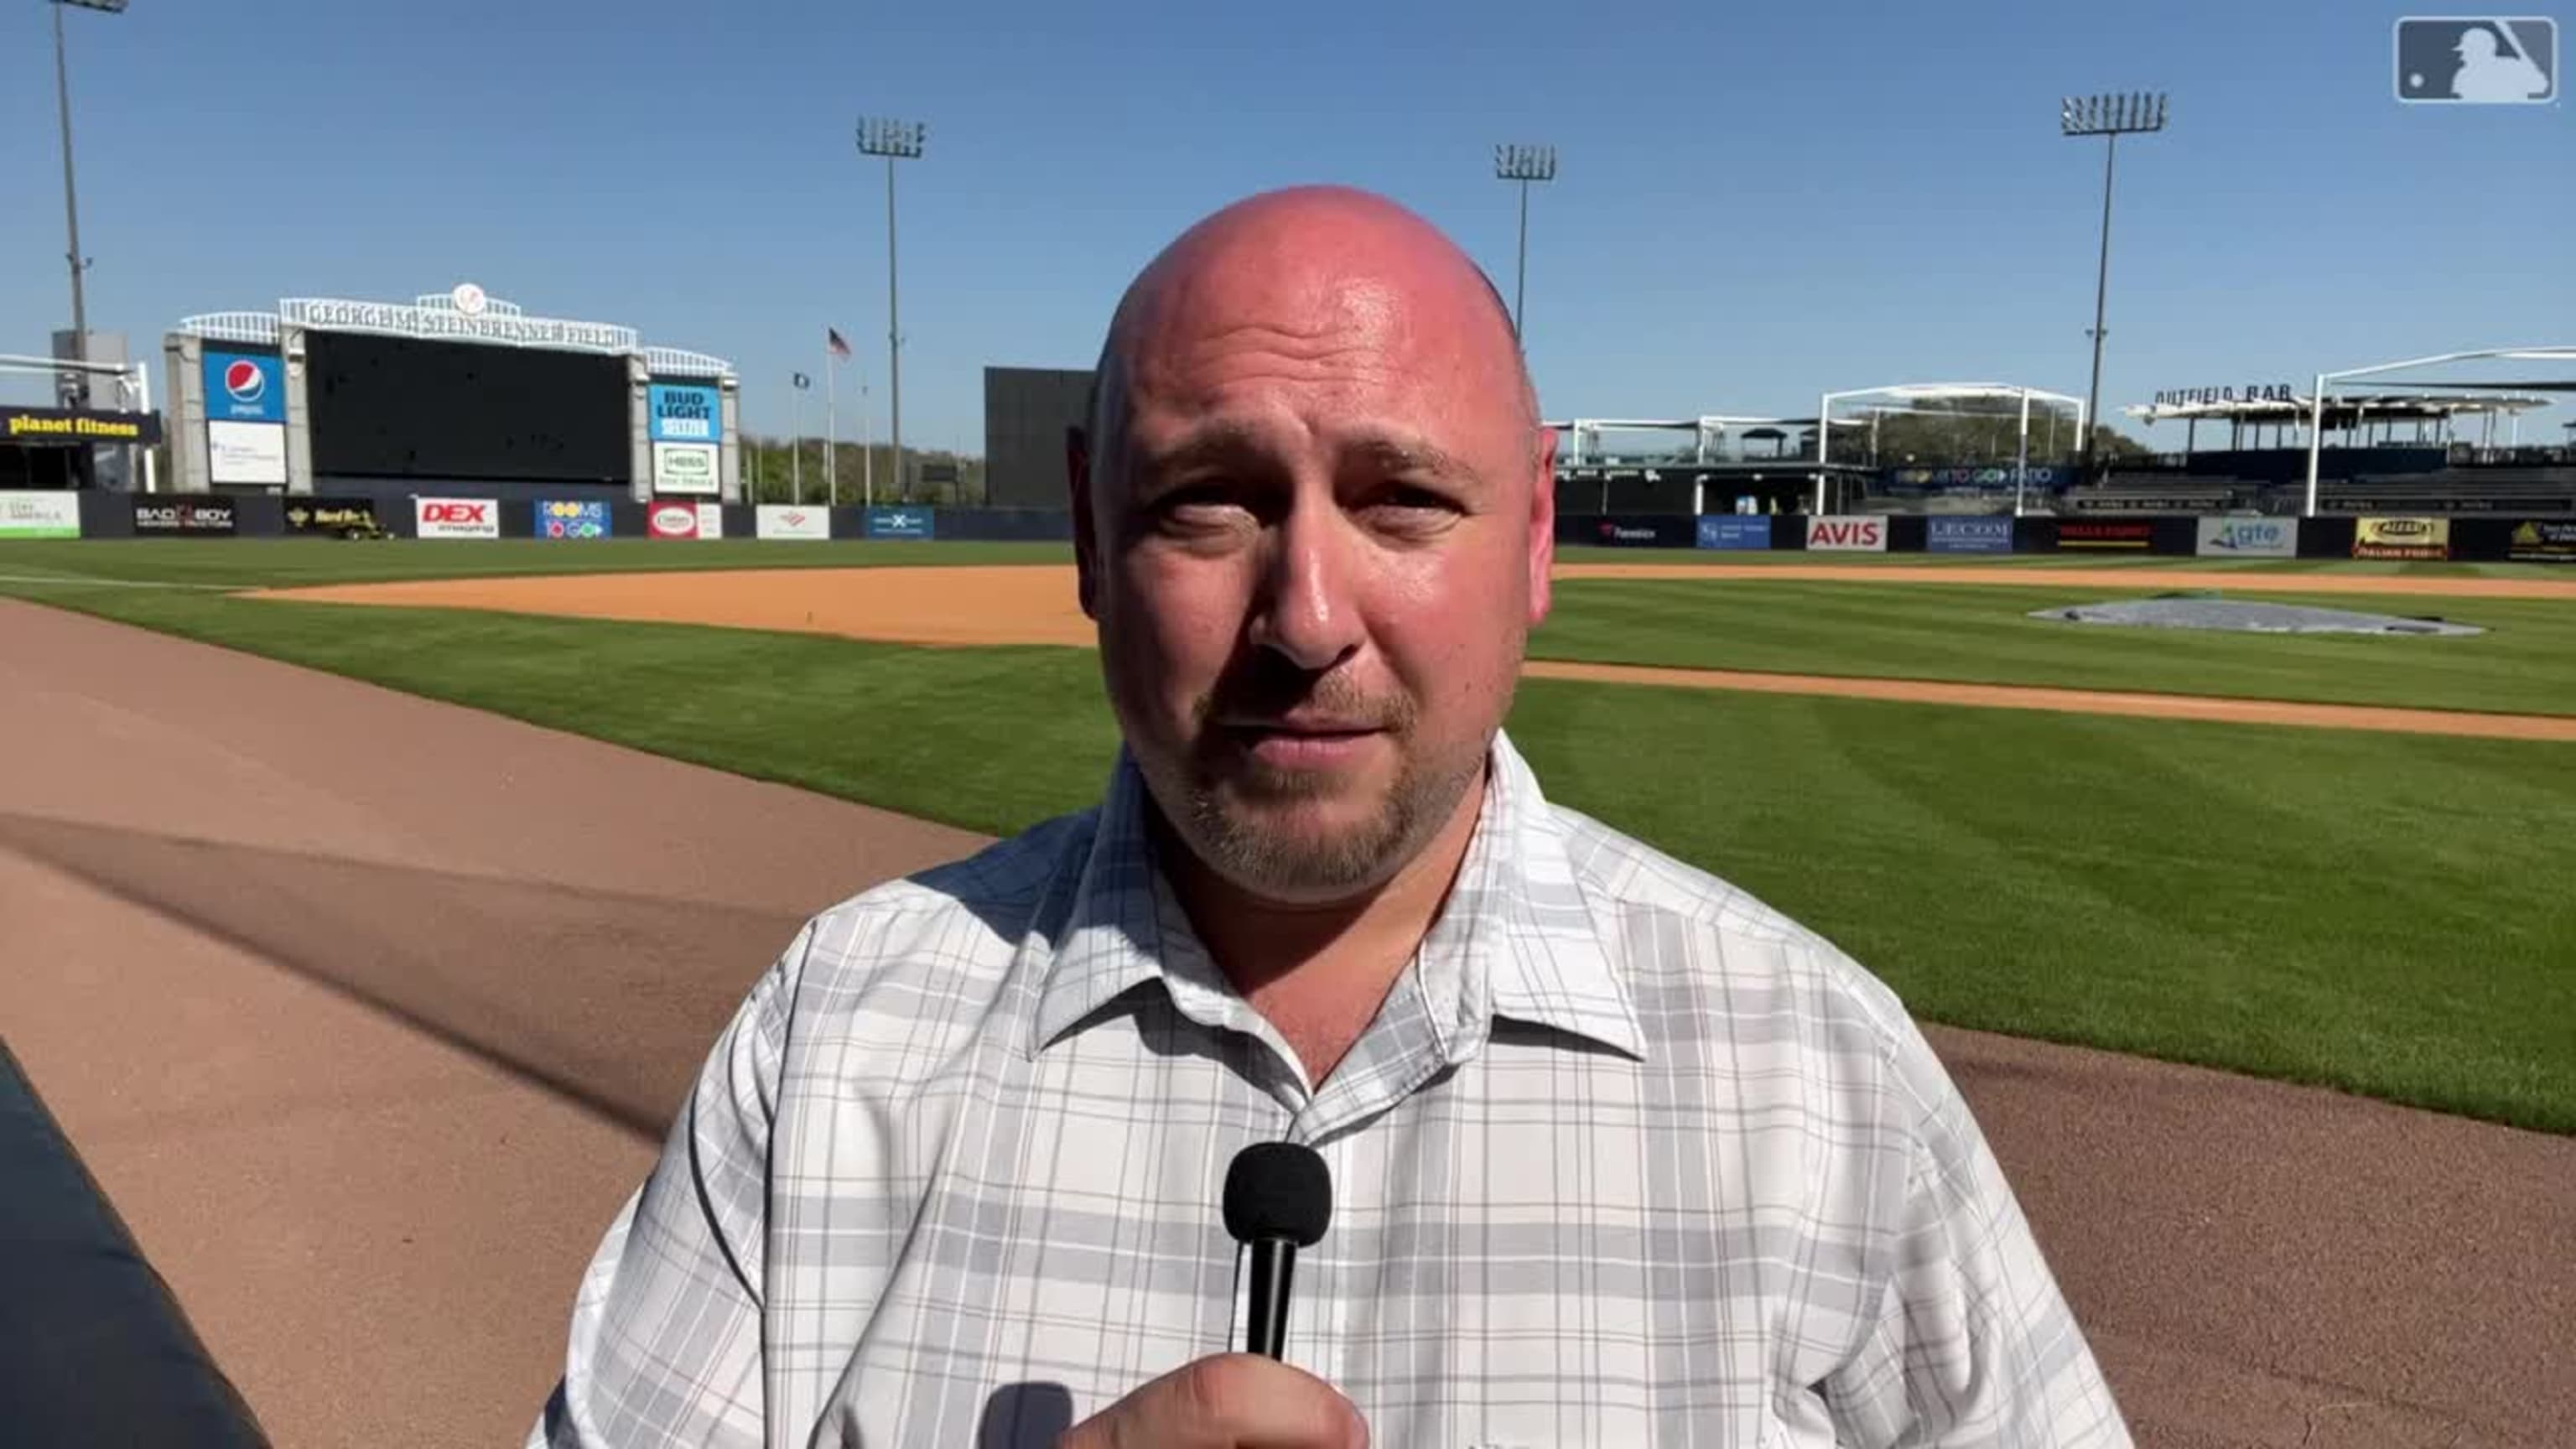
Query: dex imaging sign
[(456, 518)]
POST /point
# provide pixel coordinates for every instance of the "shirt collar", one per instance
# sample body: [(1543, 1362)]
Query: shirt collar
[(1516, 940)]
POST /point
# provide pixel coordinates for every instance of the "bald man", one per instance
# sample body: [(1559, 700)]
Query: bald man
[(1620, 1155)]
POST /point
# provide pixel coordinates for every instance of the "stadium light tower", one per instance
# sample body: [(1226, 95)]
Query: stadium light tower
[(895, 141), (1523, 164), (2109, 117), (71, 199)]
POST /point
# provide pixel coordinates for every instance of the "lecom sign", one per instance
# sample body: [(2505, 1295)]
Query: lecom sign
[(456, 517)]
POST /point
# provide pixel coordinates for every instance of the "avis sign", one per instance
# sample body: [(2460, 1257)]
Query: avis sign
[(1847, 534), (456, 517)]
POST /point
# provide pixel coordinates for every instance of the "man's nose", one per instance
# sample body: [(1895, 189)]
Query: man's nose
[(1307, 611)]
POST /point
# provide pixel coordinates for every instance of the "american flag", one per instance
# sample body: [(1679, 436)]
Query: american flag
[(840, 346)]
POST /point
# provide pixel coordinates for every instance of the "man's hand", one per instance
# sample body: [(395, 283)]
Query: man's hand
[(1230, 1401)]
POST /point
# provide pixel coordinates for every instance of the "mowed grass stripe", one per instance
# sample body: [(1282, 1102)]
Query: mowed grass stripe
[(2524, 664), (284, 562), (2384, 914)]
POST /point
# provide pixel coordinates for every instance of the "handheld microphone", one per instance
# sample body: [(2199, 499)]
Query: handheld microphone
[(1278, 1198)]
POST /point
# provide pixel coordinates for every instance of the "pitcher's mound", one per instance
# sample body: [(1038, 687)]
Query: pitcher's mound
[(2202, 612)]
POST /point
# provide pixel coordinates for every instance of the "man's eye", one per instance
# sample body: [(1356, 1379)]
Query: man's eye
[(1412, 508)]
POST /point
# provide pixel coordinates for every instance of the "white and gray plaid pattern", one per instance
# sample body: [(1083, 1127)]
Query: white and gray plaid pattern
[(1626, 1158)]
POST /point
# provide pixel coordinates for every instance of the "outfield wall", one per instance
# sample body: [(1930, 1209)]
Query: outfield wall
[(465, 515)]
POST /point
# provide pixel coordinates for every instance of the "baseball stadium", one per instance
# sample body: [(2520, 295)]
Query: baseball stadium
[(2258, 901), (429, 722)]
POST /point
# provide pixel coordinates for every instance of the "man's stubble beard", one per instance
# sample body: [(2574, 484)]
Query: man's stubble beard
[(1223, 821)]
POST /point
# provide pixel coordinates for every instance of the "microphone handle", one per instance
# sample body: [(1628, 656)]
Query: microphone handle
[(1274, 1260)]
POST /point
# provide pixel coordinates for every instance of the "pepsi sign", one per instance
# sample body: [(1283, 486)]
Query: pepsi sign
[(245, 387)]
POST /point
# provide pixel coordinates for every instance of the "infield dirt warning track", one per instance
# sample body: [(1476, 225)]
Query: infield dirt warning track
[(368, 1011), (1034, 604)]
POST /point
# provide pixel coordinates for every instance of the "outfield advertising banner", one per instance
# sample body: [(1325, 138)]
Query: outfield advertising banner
[(456, 518), (244, 387), (40, 515), (683, 413), (685, 468), (2542, 541), (1643, 532), (791, 521), (571, 518), (1834, 533), (1741, 531), (1968, 535), (2402, 538), (334, 518), (252, 453), (166, 517), (2139, 534), (901, 523), (2248, 538), (670, 518)]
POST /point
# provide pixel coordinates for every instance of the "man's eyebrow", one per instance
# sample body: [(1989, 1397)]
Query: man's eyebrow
[(1391, 453), (1217, 444)]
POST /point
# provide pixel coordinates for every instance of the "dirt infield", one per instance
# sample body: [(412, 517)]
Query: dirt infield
[(368, 1011), (1035, 605)]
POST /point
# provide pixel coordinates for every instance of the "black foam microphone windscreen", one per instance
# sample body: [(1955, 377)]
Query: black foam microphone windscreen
[(1278, 1198)]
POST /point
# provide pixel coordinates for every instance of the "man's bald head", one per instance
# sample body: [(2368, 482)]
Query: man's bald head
[(1337, 229), (1314, 519)]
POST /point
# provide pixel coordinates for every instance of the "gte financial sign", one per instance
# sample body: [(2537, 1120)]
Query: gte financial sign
[(456, 517)]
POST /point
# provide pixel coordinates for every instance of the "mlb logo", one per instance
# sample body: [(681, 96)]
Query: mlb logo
[(2477, 60)]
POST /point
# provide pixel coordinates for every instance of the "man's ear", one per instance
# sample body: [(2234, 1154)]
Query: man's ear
[(1542, 527), (1086, 542)]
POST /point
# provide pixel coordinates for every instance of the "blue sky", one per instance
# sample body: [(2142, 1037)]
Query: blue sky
[(1754, 202)]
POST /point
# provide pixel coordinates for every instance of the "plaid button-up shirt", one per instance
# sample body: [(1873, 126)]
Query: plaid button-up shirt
[(1625, 1158)]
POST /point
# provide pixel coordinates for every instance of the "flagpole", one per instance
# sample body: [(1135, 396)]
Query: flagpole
[(867, 453), (831, 424), (796, 447)]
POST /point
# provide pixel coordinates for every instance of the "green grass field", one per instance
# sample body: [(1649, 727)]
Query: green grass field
[(2383, 913), (1971, 633)]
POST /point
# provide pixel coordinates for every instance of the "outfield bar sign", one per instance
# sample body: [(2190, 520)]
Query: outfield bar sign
[(1854, 534), (1968, 535), (456, 518), (2402, 538), (790, 521), (2542, 541), (1740, 531), (2248, 538), (40, 515)]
